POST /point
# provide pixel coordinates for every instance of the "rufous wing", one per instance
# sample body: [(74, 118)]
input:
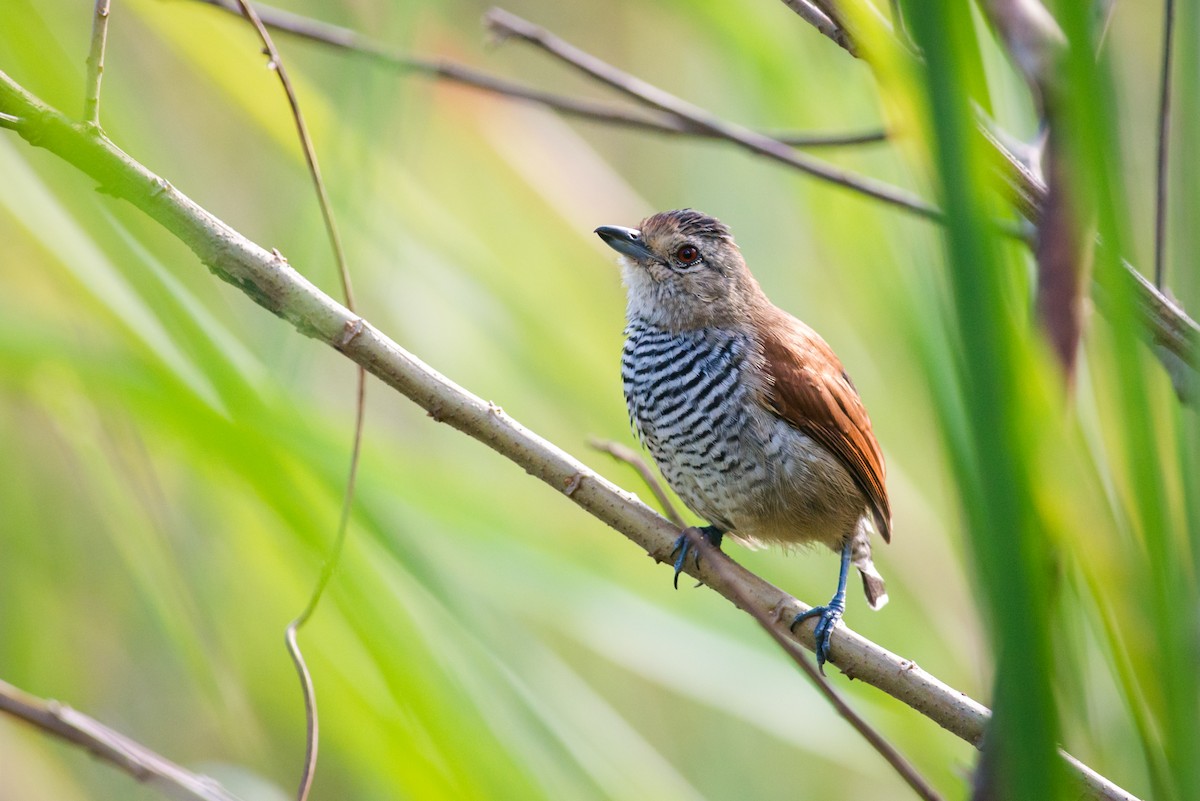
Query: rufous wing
[(808, 387)]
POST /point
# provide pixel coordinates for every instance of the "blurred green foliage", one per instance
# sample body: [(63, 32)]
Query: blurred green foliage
[(174, 457)]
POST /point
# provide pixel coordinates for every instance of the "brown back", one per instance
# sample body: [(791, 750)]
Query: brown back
[(808, 388)]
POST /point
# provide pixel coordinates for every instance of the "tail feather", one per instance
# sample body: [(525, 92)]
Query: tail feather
[(873, 586)]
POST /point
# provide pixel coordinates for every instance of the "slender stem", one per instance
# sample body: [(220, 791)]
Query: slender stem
[(310, 154), (813, 15), (1167, 324), (1164, 137), (719, 563), (831, 140), (353, 41), (506, 25), (634, 460), (110, 746), (95, 64), (312, 725)]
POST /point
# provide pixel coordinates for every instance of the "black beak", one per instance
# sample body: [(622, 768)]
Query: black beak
[(626, 241)]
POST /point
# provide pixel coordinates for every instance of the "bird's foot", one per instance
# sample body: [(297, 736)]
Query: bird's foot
[(827, 618), (683, 546)]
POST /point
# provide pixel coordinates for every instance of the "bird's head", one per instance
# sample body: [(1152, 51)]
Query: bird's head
[(682, 271)]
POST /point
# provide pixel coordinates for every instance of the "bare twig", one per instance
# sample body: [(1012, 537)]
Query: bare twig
[(506, 25), (719, 563), (1174, 334), (1164, 137), (271, 282), (831, 140), (331, 562), (355, 42), (634, 460), (310, 154), (110, 746), (841, 32), (95, 64), (1034, 41), (813, 15)]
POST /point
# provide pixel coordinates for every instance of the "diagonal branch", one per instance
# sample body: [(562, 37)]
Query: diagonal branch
[(632, 458), (1167, 326), (778, 632), (811, 13), (271, 282), (441, 69), (110, 746), (505, 25)]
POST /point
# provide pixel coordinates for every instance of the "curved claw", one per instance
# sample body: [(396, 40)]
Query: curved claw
[(683, 547), (828, 616)]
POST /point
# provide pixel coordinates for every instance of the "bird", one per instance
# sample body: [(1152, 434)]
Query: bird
[(749, 414)]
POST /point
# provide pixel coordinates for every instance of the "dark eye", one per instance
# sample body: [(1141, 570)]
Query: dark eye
[(688, 254)]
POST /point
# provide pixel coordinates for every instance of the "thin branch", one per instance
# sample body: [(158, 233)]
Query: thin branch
[(95, 64), (1174, 334), (310, 153), (110, 746), (1034, 41), (312, 728), (813, 15), (506, 25), (719, 563), (839, 31), (355, 42), (634, 460), (1164, 136), (831, 140), (271, 282)]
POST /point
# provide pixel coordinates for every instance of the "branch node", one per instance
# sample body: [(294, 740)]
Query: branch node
[(350, 330), (498, 23), (572, 483), (160, 186)]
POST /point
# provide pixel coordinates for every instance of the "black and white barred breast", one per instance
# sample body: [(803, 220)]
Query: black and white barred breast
[(689, 402)]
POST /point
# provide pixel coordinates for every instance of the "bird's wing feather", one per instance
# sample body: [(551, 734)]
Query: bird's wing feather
[(808, 388)]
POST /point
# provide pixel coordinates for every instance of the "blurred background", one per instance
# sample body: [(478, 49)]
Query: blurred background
[(174, 456)]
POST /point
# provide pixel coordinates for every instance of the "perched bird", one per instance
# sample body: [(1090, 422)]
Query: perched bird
[(747, 411)]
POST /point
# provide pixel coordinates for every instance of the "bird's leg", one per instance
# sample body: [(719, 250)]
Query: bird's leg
[(683, 546), (828, 615)]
